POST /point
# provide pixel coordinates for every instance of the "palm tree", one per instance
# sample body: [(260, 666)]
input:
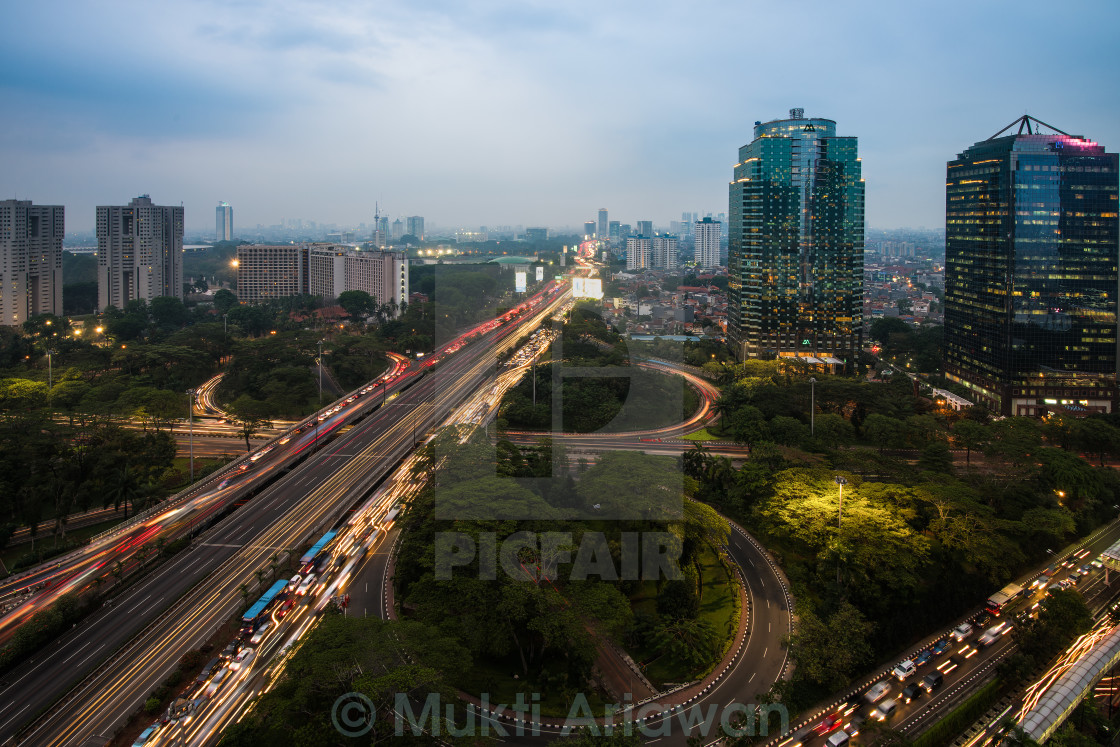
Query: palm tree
[(273, 564), (142, 554), (244, 589), (97, 582), (260, 577), (118, 571), (161, 543), (123, 489)]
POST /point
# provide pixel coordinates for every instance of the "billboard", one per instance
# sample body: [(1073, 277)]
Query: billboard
[(540, 274), (519, 282), (587, 288)]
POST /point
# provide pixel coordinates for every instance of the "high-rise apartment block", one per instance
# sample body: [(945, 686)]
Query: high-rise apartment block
[(398, 228), (706, 234), (327, 270), (30, 260), (664, 252), (223, 222), (139, 252), (1031, 253), (638, 252), (415, 226), (602, 234), (795, 264)]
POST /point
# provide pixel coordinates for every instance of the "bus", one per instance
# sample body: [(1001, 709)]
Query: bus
[(309, 556), (999, 600), (256, 614)]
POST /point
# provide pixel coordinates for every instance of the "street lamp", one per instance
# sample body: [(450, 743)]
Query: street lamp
[(841, 481), (190, 421), (320, 373), (812, 405)]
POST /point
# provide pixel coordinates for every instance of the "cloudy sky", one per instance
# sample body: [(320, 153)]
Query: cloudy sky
[(486, 112)]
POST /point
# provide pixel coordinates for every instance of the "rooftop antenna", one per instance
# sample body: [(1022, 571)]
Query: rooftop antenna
[(1025, 123)]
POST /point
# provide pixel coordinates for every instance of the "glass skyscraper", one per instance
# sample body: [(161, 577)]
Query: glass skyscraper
[(795, 260), (1031, 255)]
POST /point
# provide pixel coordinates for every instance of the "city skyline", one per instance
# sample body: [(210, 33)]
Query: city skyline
[(327, 110)]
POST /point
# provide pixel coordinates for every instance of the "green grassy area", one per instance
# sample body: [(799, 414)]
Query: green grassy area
[(718, 605), (960, 718), (47, 541), (701, 435)]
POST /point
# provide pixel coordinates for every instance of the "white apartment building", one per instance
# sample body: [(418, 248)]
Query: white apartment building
[(707, 235), (139, 252), (638, 250), (664, 252), (30, 260)]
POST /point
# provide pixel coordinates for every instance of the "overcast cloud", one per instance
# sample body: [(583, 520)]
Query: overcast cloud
[(531, 113)]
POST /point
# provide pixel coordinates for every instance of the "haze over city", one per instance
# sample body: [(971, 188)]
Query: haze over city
[(517, 113)]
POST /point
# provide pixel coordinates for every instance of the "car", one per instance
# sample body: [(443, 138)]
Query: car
[(798, 738), (242, 660), (294, 583), (911, 692), (306, 584), (950, 664), (286, 439), (982, 619), (932, 681), (885, 710), (827, 724), (962, 631), (923, 658), (230, 651), (904, 670), (1097, 563), (1074, 577), (1086, 569), (838, 738), (877, 692), (260, 633), (1041, 582), (854, 726), (941, 646)]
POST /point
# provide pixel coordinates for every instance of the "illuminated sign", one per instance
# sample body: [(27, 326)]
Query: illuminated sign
[(540, 274), (587, 288), (519, 282)]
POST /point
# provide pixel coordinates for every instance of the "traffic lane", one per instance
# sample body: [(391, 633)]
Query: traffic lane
[(165, 656), (368, 588), (73, 656)]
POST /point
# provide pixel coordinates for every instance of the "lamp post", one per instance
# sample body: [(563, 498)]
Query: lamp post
[(190, 422), (841, 481), (812, 405), (320, 373)]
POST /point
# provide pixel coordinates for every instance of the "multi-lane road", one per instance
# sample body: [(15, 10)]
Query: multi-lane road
[(168, 612)]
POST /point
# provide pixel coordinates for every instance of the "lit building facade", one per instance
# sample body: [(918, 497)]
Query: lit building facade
[(30, 260), (139, 252), (795, 265), (589, 229), (706, 235), (1031, 257)]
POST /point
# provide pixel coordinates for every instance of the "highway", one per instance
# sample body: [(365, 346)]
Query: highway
[(965, 665), (282, 516)]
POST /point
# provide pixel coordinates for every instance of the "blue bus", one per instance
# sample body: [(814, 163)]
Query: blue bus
[(316, 548), (256, 614)]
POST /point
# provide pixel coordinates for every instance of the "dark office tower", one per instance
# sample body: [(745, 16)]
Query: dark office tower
[(139, 252), (589, 229), (645, 228), (1031, 252), (612, 231), (795, 263), (223, 222), (602, 224)]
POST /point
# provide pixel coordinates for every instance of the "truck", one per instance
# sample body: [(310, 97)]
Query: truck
[(999, 600)]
